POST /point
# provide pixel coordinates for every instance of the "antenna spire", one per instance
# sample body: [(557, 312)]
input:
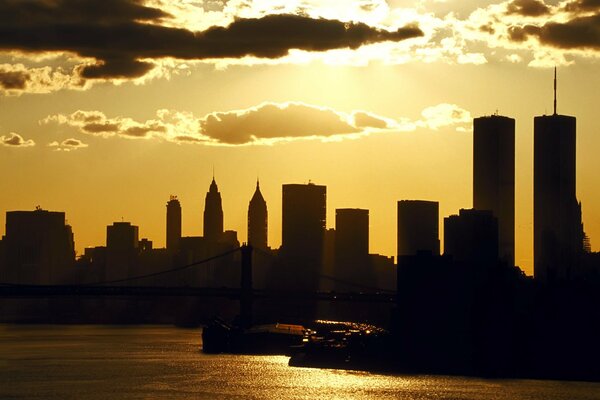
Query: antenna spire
[(555, 90)]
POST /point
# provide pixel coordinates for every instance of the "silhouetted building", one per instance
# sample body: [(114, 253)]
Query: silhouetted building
[(122, 246), (213, 214), (38, 246), (352, 248), (494, 176), (173, 224), (257, 220), (557, 230), (418, 227), (471, 237), (303, 229)]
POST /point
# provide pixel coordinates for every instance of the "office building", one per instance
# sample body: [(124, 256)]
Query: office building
[(258, 220), (471, 237), (494, 176), (557, 230), (173, 224), (213, 214), (418, 227), (39, 247)]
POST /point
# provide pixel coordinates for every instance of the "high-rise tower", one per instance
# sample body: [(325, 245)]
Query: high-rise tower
[(173, 224), (303, 233), (213, 214), (558, 233), (257, 220), (418, 227), (494, 176)]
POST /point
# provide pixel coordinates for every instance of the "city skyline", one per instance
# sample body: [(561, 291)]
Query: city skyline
[(377, 121)]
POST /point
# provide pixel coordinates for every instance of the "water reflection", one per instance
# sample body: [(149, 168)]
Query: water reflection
[(98, 362)]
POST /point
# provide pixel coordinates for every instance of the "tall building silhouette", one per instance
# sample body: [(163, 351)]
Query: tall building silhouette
[(351, 254), (494, 176), (418, 227), (558, 233), (122, 247), (39, 247), (173, 224), (257, 220), (471, 237), (213, 214), (303, 231)]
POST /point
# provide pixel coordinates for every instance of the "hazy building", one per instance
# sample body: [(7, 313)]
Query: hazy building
[(494, 176), (213, 214), (38, 247), (352, 248), (258, 220), (418, 227), (173, 224), (303, 230), (122, 247), (557, 230), (471, 237)]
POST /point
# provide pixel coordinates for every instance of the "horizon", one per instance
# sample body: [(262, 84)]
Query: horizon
[(377, 117)]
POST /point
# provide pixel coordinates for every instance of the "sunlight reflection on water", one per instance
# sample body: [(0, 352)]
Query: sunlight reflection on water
[(97, 362)]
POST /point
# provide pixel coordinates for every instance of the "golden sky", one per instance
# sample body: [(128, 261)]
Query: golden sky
[(109, 107)]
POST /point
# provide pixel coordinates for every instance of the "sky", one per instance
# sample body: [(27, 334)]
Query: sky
[(109, 107)]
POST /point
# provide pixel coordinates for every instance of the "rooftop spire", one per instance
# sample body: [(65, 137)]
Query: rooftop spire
[(555, 90)]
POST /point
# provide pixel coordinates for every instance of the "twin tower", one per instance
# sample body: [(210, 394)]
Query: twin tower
[(558, 230)]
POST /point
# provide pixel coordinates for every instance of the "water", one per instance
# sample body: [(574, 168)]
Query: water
[(149, 362)]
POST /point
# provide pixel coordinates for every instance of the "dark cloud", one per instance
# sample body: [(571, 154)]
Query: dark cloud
[(528, 8), (143, 131), (15, 140), (14, 79), (120, 33), (100, 128), (366, 120), (70, 144), (270, 121), (583, 5), (578, 33)]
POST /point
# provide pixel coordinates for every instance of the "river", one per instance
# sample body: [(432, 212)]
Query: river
[(149, 362)]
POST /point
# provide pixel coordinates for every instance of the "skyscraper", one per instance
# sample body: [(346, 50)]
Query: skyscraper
[(39, 247), (173, 224), (213, 214), (472, 237), (558, 233), (257, 220), (352, 263), (494, 176), (303, 230), (418, 227)]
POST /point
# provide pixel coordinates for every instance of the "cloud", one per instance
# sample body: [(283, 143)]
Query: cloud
[(124, 37), (528, 8), (16, 79), (68, 145), (15, 140), (443, 115), (577, 33), (264, 124)]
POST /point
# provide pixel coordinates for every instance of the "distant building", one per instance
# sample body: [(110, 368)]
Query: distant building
[(352, 249), (418, 227), (213, 214), (557, 229), (494, 176), (258, 220), (38, 247), (122, 247), (471, 237), (303, 230), (173, 224)]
